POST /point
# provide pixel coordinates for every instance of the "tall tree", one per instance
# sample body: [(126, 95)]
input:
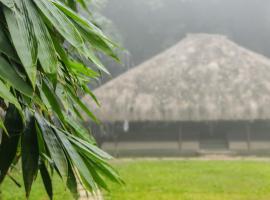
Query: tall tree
[(46, 49)]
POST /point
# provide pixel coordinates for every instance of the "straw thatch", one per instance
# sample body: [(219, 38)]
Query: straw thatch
[(202, 78)]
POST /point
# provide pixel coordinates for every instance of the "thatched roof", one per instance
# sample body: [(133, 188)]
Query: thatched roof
[(202, 78)]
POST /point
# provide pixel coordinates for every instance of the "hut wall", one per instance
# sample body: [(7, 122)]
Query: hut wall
[(260, 136), (143, 139), (251, 137), (174, 139), (260, 145), (141, 148), (190, 141), (237, 140)]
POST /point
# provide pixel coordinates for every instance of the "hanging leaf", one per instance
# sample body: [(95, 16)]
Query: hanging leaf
[(89, 92), (81, 104), (46, 50), (79, 130), (59, 20), (96, 176), (44, 46), (72, 182), (47, 182), (8, 3), (21, 31), (6, 48), (54, 147), (30, 154), (52, 99), (89, 31), (8, 74), (90, 148), (4, 129), (8, 96), (76, 159), (9, 144)]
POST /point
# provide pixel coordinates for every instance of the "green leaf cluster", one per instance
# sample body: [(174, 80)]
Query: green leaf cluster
[(48, 55)]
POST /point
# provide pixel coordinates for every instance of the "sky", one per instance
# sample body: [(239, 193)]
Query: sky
[(146, 28)]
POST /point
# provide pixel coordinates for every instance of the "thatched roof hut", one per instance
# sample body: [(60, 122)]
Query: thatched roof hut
[(202, 78)]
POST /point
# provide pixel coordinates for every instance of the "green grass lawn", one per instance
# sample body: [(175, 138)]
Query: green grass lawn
[(11, 192), (173, 180), (193, 180)]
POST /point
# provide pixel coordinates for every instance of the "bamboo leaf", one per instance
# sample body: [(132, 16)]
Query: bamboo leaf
[(97, 41), (67, 29), (8, 3), (8, 96), (46, 50), (81, 20), (52, 99), (109, 172), (77, 112), (82, 105), (8, 147), (41, 142), (76, 159), (54, 147), (99, 179), (21, 31), (30, 154), (91, 94), (47, 182), (81, 68), (2, 125), (6, 48), (91, 55), (89, 31), (8, 74), (79, 130), (73, 65), (92, 149), (60, 22), (43, 47), (83, 4), (72, 183), (72, 4)]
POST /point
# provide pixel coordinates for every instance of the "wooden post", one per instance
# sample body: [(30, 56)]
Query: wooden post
[(180, 138), (248, 135)]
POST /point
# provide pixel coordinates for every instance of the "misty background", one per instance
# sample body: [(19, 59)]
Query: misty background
[(146, 28)]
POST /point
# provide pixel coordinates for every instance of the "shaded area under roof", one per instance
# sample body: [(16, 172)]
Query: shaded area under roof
[(202, 78)]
